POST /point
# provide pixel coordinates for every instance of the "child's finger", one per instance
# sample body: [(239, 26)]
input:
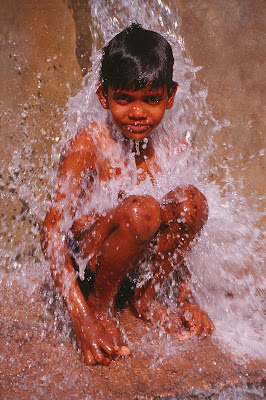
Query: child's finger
[(99, 356), (187, 319), (212, 326), (88, 357), (192, 319), (196, 324), (109, 349), (184, 335), (208, 327), (124, 351), (204, 333)]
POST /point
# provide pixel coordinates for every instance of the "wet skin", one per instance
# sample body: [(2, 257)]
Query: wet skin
[(137, 113), (118, 241)]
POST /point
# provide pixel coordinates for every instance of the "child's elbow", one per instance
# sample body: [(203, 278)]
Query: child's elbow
[(49, 231)]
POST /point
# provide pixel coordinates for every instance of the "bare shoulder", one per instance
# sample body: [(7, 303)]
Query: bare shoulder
[(81, 152), (95, 136), (83, 140)]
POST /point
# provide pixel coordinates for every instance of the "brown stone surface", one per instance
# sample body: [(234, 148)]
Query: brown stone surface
[(228, 41), (39, 71), (36, 361), (51, 368)]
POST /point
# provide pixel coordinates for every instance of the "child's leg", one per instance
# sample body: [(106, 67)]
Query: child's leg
[(183, 214), (115, 244)]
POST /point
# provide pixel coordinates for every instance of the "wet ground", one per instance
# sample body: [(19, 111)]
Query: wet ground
[(39, 69), (51, 368)]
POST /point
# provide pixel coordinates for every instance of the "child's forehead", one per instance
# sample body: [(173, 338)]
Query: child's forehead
[(131, 88)]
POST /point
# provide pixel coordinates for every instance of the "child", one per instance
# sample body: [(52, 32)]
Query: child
[(136, 87)]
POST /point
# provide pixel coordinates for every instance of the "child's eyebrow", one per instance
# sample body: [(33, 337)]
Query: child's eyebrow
[(122, 95), (121, 92), (155, 94)]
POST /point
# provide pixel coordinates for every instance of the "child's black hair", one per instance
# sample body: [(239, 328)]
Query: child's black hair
[(136, 57)]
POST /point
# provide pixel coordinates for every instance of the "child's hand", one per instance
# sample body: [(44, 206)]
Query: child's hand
[(197, 320), (96, 347)]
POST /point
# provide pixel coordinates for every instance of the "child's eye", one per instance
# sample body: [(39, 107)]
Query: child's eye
[(122, 98), (153, 99)]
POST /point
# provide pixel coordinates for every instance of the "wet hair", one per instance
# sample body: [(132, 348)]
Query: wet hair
[(136, 57)]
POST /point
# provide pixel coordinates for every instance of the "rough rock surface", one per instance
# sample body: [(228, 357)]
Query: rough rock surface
[(51, 369)]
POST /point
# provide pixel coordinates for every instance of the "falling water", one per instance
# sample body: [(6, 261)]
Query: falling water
[(227, 269), (226, 262)]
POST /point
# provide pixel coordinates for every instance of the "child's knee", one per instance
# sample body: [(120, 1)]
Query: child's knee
[(194, 207), (189, 206), (142, 216)]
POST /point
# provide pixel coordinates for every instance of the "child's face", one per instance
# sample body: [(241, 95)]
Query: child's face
[(137, 113)]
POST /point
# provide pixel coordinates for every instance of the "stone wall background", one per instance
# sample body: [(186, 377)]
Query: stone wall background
[(39, 71)]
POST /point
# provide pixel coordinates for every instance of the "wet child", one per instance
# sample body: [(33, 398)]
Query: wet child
[(135, 88)]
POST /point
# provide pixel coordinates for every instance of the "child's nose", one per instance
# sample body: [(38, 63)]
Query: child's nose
[(138, 112)]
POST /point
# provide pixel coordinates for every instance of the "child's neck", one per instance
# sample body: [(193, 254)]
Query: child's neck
[(143, 151)]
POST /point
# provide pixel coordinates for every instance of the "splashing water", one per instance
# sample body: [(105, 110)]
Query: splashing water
[(226, 262)]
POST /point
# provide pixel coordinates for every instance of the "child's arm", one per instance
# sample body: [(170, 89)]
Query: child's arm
[(185, 143), (79, 160)]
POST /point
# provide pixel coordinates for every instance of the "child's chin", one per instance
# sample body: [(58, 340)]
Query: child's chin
[(136, 136)]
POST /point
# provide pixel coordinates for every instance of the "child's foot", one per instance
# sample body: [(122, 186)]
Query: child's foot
[(196, 320), (161, 315), (188, 320)]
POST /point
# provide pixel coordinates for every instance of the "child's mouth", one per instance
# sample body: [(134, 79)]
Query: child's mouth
[(137, 128)]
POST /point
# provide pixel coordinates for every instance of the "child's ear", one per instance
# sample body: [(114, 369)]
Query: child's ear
[(102, 96), (171, 97)]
